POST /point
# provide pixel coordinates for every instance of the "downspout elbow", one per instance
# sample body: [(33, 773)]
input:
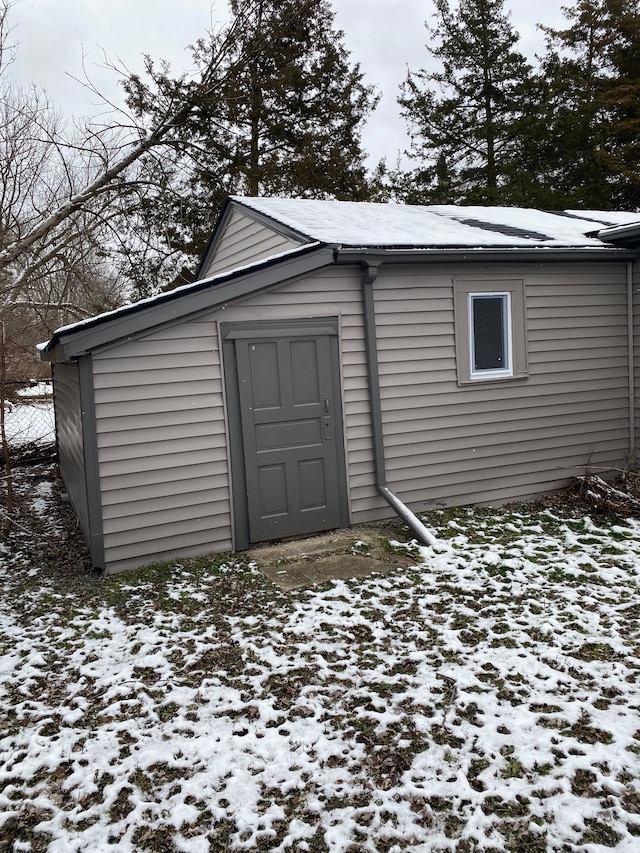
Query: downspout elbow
[(410, 519)]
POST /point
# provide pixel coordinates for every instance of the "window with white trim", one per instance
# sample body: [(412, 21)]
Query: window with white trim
[(490, 330), (490, 338)]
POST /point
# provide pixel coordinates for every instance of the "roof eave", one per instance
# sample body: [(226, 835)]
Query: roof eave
[(136, 319), (271, 222), (214, 237), (622, 235), (489, 254), (139, 318)]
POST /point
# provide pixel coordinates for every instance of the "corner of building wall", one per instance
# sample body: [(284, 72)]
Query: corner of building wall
[(228, 434), (91, 464)]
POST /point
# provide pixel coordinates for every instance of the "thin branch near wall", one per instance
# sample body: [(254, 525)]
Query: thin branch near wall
[(8, 516), (604, 497)]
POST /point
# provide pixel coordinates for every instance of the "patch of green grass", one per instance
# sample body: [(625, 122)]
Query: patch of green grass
[(584, 732), (520, 837), (498, 571), (631, 801), (513, 769), (476, 767), (544, 708), (158, 839), (505, 808), (600, 833), (122, 805), (503, 642), (410, 548), (582, 784), (453, 826), (558, 575), (168, 711), (596, 651)]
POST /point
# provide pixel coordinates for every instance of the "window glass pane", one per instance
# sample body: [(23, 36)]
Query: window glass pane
[(489, 333)]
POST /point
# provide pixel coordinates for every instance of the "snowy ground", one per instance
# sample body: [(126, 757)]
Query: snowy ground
[(487, 699), (31, 420)]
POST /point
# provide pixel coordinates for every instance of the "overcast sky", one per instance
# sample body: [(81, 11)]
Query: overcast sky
[(386, 36)]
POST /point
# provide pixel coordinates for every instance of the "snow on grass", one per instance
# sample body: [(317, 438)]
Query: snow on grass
[(486, 699)]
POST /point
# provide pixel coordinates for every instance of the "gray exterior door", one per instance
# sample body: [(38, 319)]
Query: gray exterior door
[(290, 419)]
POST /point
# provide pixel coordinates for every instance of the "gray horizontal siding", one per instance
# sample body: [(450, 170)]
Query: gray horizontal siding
[(332, 292), (491, 442), (245, 241), (148, 548), (636, 357), (68, 413), (162, 446), (144, 490), (134, 442), (162, 441)]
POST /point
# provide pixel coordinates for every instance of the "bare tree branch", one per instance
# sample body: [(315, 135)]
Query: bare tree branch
[(116, 155)]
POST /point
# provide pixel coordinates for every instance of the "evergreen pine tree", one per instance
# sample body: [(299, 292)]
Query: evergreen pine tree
[(593, 112), (287, 122), (467, 120), (299, 105), (621, 99)]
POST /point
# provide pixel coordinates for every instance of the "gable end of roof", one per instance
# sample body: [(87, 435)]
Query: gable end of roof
[(232, 204)]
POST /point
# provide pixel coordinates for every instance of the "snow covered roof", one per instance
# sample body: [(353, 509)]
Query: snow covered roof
[(367, 225), (321, 226)]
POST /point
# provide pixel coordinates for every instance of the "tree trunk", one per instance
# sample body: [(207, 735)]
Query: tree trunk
[(253, 166)]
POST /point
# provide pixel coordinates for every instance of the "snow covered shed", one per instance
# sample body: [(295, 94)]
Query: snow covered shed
[(335, 362)]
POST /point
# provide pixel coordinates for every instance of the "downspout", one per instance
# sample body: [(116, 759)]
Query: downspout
[(631, 352), (375, 408)]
